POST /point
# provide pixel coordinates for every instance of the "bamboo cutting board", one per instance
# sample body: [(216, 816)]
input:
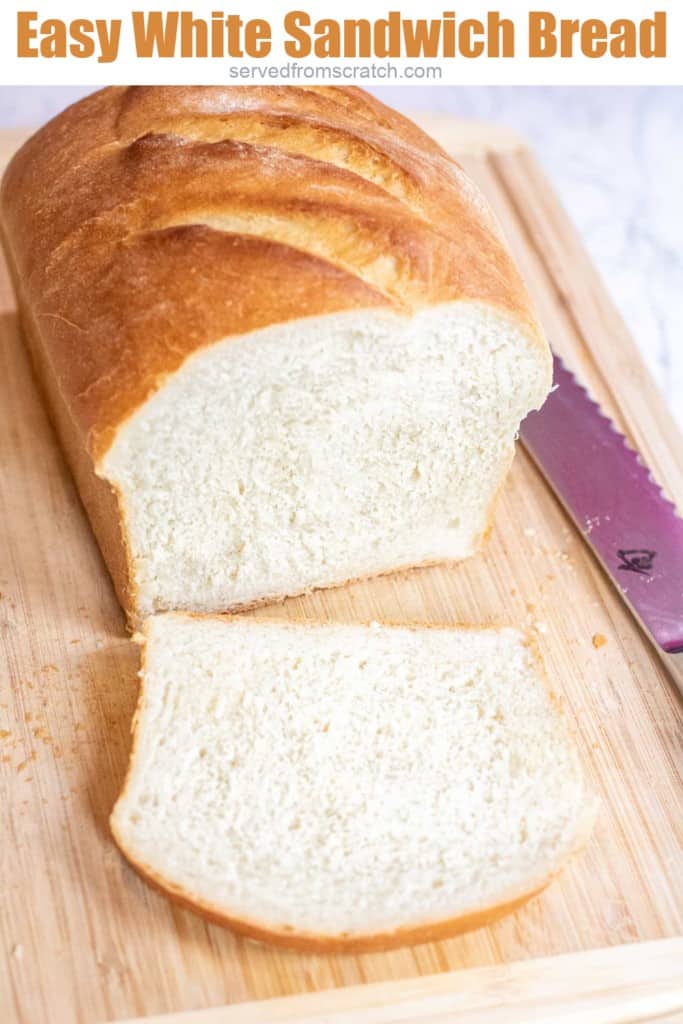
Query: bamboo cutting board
[(83, 939)]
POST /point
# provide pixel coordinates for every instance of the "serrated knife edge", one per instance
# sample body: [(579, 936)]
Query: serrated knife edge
[(617, 505)]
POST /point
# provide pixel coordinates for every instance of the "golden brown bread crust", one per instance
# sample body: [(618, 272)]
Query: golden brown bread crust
[(98, 496), (309, 942), (146, 223)]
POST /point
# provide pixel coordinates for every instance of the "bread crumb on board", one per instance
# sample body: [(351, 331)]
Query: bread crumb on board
[(598, 640), (26, 762)]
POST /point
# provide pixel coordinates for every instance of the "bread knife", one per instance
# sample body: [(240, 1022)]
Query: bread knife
[(617, 506)]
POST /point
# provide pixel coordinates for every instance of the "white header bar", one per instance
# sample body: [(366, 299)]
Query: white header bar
[(271, 42)]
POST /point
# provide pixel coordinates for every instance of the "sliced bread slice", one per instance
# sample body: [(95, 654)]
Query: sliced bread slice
[(344, 786)]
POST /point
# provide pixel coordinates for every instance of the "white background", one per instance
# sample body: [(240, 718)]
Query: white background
[(614, 155), (484, 71)]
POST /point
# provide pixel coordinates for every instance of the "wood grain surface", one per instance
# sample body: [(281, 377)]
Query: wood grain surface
[(640, 981), (82, 938)]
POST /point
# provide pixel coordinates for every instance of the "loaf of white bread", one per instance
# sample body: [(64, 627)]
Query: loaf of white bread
[(282, 338), (347, 787), (284, 345)]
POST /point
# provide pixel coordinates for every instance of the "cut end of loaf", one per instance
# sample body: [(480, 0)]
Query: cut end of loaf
[(331, 787), (288, 334), (312, 453)]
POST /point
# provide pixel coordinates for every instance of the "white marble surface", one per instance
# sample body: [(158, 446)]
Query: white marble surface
[(615, 156)]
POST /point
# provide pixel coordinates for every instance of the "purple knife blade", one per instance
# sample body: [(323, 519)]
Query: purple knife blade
[(615, 503)]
